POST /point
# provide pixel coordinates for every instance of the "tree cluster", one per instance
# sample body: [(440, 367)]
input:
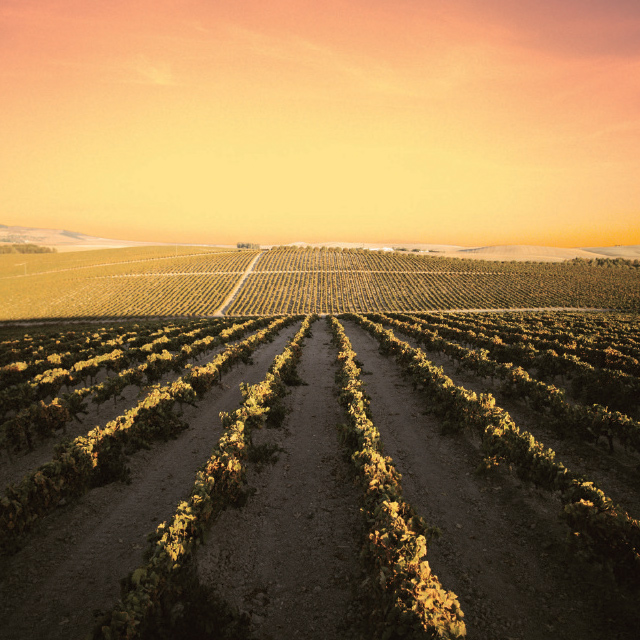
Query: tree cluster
[(26, 248)]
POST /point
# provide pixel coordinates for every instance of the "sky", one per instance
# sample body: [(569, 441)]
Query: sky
[(466, 122)]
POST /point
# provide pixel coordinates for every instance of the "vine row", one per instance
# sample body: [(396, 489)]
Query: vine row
[(151, 592), (590, 422), (597, 525), (412, 601), (98, 457)]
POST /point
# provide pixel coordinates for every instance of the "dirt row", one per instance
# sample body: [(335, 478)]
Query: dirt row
[(14, 468), (72, 565), (289, 558), (287, 561), (502, 548), (616, 473)]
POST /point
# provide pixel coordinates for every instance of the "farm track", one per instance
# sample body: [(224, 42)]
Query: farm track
[(502, 548), (25, 461), (289, 557), (403, 271), (231, 296), (174, 273), (116, 319), (72, 564), (616, 474)]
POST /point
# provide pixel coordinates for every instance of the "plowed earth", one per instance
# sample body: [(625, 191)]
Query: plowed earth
[(502, 549), (73, 564), (13, 469), (288, 558)]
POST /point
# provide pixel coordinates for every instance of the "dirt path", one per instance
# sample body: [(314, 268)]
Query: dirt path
[(404, 271), (222, 309), (502, 550), (72, 565), (289, 557), (170, 274)]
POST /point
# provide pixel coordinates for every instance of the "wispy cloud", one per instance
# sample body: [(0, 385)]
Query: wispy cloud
[(623, 127), (152, 72), (571, 28), (139, 70), (364, 71)]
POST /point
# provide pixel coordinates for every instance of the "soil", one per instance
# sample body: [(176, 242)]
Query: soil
[(502, 549), (73, 563), (615, 472), (287, 560), (14, 467)]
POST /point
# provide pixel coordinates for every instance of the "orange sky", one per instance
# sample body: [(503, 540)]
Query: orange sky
[(461, 122)]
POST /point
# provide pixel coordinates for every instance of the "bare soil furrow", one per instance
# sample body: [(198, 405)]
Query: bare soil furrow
[(616, 473), (23, 462), (502, 547), (289, 558), (72, 565)]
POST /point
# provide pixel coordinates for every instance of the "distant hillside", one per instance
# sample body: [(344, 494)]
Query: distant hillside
[(502, 253), (629, 252), (61, 239), (64, 240), (529, 253)]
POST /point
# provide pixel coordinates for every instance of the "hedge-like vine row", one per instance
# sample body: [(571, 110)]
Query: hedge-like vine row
[(41, 349), (587, 330), (71, 354), (596, 523), (590, 346), (152, 590), (98, 458), (618, 390), (42, 420), (31, 385), (412, 601), (587, 421)]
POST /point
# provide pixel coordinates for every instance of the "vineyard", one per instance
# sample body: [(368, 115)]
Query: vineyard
[(399, 473), (200, 281)]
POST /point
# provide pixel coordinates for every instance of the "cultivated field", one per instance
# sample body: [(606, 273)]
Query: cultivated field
[(374, 476), (195, 282)]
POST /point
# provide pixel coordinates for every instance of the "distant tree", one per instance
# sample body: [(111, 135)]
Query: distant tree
[(26, 248)]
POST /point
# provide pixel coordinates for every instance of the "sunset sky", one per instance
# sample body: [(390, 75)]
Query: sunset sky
[(467, 122)]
